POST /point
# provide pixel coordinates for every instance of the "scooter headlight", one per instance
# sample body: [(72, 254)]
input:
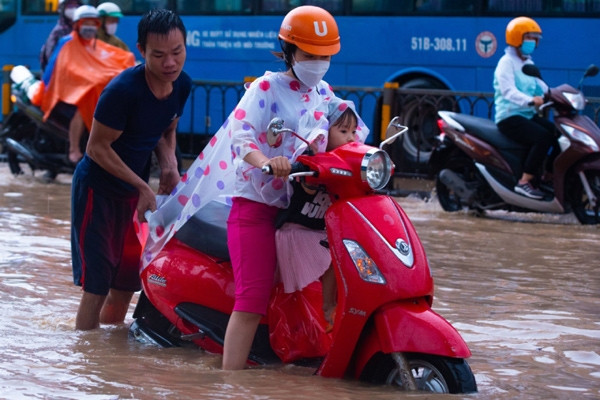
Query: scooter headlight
[(376, 169), (581, 137), (576, 99), (364, 264)]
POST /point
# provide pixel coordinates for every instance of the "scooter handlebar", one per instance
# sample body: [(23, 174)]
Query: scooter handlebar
[(297, 168)]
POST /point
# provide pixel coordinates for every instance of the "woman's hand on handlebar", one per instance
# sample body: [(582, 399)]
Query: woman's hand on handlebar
[(537, 101), (280, 166)]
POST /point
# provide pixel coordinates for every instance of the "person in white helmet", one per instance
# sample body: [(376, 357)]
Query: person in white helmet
[(68, 88), (110, 14), (64, 26)]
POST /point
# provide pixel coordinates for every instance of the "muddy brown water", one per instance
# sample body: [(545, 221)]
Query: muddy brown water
[(522, 289)]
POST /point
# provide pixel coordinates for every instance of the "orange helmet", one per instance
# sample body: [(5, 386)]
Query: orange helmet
[(519, 26), (312, 29)]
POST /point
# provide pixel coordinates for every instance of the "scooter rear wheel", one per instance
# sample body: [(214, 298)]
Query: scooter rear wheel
[(432, 373)]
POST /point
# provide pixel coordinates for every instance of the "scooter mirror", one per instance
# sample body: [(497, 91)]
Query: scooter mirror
[(274, 130), (393, 131), (592, 70), (531, 70)]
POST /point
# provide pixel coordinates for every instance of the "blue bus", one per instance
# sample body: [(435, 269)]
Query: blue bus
[(436, 44)]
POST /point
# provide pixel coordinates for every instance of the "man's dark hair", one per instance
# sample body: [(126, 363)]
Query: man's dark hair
[(158, 21)]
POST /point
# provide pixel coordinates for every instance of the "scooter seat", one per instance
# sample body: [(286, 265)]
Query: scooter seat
[(206, 231), (487, 130), (513, 152)]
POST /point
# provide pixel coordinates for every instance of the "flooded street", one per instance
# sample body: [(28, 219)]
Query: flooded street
[(522, 289)]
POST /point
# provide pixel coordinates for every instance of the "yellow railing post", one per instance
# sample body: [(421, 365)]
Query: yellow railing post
[(6, 102), (389, 90)]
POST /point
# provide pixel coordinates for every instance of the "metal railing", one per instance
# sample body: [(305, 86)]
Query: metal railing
[(211, 102)]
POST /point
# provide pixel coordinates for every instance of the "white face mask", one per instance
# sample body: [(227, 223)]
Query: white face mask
[(110, 29), (69, 13), (310, 72)]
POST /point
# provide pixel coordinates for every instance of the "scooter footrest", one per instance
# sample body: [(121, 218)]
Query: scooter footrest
[(213, 324)]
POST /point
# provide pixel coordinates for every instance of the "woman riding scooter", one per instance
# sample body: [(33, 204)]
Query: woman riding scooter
[(516, 98), (309, 37)]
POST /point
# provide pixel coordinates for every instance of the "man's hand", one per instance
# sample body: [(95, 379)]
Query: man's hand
[(147, 201), (169, 178)]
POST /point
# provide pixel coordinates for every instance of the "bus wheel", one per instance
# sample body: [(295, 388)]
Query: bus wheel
[(419, 113)]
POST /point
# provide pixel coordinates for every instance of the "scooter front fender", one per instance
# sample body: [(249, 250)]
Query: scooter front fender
[(409, 327)]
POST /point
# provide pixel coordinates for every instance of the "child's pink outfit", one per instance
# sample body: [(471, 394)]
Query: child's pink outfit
[(301, 259)]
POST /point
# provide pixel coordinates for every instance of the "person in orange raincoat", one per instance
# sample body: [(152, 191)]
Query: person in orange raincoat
[(79, 69)]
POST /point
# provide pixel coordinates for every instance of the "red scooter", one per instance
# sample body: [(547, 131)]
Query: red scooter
[(384, 330)]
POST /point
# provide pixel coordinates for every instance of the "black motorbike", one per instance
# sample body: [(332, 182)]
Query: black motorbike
[(27, 139)]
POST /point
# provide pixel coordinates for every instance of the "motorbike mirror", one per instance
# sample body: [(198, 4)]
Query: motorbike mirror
[(275, 130), (531, 70), (592, 70), (393, 131)]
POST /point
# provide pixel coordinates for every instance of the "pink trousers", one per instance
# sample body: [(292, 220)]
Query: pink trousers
[(251, 241)]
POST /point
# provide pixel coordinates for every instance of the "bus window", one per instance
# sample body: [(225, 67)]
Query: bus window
[(283, 6), (8, 14), (580, 5), (36, 7), (382, 7), (7, 6), (365, 7), (512, 6), (141, 6), (191, 7)]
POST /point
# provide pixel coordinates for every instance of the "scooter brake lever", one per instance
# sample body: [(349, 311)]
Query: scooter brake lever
[(295, 175)]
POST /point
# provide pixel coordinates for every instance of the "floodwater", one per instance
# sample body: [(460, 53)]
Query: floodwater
[(522, 289)]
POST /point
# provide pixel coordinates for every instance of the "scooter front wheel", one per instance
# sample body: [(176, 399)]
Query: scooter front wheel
[(463, 174), (431, 373), (586, 212), (13, 163)]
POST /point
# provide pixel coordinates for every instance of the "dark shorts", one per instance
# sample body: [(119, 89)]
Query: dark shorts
[(104, 247)]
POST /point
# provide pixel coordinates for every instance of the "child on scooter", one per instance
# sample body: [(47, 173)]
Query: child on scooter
[(301, 257)]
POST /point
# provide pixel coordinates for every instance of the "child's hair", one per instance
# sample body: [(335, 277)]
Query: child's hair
[(158, 21), (347, 119)]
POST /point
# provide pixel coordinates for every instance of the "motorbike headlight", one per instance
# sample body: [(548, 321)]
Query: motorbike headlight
[(576, 99), (581, 137), (364, 264), (376, 169)]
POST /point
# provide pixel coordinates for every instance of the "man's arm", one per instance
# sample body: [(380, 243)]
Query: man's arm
[(165, 152), (99, 149)]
